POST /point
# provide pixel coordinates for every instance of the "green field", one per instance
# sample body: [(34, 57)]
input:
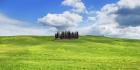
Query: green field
[(86, 53)]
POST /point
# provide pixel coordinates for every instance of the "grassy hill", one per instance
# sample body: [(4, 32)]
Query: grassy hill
[(86, 53)]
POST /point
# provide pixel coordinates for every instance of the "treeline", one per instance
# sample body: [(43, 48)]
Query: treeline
[(67, 35)]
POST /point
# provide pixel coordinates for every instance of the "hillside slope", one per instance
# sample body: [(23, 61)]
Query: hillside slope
[(86, 53)]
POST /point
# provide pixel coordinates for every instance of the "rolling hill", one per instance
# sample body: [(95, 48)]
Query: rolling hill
[(86, 53)]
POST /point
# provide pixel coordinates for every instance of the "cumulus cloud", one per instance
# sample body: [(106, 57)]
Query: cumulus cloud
[(129, 3), (67, 20), (119, 19), (62, 21), (77, 5)]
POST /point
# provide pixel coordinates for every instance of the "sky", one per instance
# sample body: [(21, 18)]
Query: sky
[(30, 10), (111, 18)]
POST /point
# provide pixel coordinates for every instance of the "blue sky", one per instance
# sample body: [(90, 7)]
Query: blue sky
[(113, 18), (30, 10)]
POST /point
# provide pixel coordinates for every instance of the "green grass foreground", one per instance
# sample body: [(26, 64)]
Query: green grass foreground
[(86, 53)]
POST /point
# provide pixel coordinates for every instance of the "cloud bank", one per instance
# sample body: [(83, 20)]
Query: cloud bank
[(12, 27), (6, 20), (119, 19)]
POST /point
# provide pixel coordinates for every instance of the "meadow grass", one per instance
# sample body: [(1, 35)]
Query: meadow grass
[(86, 53)]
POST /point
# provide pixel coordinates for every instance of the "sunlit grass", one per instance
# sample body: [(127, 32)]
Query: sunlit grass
[(86, 53)]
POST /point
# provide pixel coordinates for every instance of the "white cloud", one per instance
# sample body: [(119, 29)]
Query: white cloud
[(11, 27), (69, 19), (16, 30), (6, 20), (77, 5), (129, 3), (62, 21), (120, 19)]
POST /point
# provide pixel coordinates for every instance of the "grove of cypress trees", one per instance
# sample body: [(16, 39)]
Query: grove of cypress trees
[(66, 35)]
